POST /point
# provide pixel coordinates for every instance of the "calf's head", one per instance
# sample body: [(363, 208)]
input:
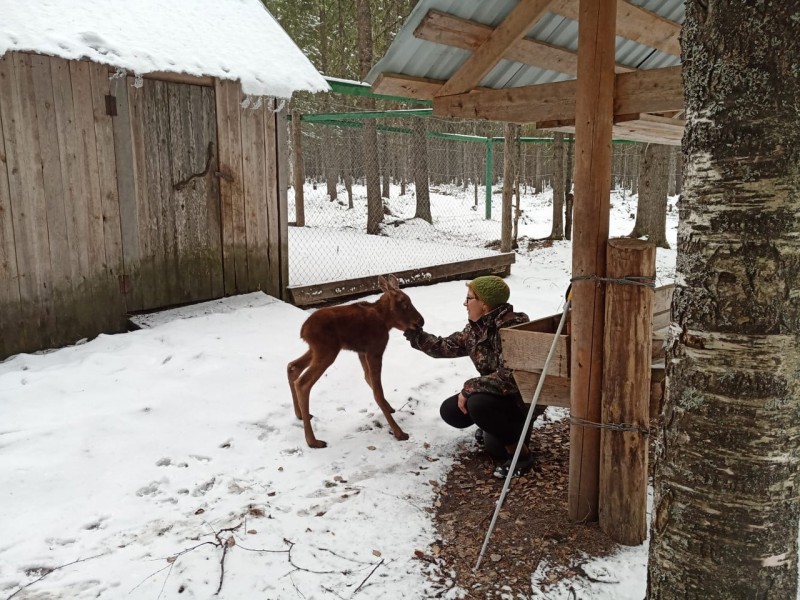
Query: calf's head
[(400, 312)]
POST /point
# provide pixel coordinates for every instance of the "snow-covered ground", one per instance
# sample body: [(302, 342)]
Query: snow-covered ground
[(167, 462)]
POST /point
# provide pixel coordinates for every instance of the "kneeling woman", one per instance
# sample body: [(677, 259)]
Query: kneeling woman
[(491, 401)]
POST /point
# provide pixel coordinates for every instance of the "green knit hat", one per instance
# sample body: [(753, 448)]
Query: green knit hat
[(491, 290)]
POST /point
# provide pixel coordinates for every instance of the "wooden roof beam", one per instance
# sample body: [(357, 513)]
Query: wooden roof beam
[(655, 90), (636, 128), (443, 28), (633, 23), (395, 84), (513, 28)]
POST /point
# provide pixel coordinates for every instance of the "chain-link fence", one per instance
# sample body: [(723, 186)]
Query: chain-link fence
[(463, 221)]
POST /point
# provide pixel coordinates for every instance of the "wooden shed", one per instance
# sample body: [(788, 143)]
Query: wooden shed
[(128, 185)]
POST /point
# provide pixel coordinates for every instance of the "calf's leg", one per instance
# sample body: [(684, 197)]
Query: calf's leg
[(320, 361), (375, 363), (293, 370)]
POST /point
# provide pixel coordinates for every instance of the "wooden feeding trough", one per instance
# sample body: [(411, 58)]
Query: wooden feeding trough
[(525, 349)]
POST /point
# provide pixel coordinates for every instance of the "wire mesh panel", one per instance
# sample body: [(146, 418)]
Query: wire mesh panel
[(460, 220), (332, 243)]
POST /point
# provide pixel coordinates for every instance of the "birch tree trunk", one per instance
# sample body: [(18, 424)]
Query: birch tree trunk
[(726, 507)]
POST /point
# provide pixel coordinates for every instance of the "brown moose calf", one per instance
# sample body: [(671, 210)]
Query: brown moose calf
[(362, 327)]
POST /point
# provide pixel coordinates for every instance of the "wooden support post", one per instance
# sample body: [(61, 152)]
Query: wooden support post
[(297, 170), (626, 391), (594, 110)]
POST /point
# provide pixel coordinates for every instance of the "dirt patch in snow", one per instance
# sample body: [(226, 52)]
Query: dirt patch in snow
[(533, 530)]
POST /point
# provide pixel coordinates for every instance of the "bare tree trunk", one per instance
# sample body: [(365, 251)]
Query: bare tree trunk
[(568, 197), (348, 186), (537, 169), (634, 168), (557, 231), (673, 159), (374, 203), (297, 171), (509, 175), (651, 213), (331, 177), (517, 215), (726, 503), (329, 156), (679, 172), (384, 158), (419, 158)]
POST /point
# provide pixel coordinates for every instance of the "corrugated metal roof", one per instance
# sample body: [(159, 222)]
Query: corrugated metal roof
[(420, 58)]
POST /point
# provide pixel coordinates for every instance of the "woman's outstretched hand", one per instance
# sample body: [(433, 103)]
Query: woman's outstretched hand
[(412, 334), (462, 403)]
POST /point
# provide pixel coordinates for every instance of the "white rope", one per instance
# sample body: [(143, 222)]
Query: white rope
[(522, 436)]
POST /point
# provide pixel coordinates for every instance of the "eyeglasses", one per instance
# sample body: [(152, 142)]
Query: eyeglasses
[(470, 298)]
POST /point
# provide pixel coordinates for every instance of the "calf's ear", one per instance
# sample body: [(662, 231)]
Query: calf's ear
[(383, 284), (393, 283)]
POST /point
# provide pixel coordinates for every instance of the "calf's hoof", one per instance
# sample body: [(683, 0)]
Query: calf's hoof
[(317, 444), (401, 436)]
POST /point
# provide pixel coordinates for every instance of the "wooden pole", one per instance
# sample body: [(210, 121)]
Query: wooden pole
[(626, 391), (297, 171), (593, 120)]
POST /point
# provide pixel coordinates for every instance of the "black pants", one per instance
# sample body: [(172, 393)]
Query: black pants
[(501, 418)]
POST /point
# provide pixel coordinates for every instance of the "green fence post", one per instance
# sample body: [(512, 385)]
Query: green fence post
[(489, 161)]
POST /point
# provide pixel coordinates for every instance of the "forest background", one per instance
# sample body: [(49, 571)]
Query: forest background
[(344, 39)]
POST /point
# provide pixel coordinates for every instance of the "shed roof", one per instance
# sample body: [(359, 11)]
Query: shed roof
[(226, 39), (443, 54)]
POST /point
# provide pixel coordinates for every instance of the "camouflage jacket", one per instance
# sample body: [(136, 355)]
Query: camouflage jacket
[(480, 340)]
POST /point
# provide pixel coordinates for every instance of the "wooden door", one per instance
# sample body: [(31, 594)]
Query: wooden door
[(169, 195)]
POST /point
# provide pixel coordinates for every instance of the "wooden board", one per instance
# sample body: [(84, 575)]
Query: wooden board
[(662, 302), (234, 235), (89, 208), (208, 198), (526, 346), (9, 278), (127, 193), (255, 194), (110, 308), (277, 208), (73, 198), (555, 390), (29, 210), (307, 295), (139, 221)]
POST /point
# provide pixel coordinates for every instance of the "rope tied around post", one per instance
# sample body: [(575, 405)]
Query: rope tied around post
[(630, 280), (624, 427)]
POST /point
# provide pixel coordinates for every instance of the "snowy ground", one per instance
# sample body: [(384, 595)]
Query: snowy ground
[(139, 465)]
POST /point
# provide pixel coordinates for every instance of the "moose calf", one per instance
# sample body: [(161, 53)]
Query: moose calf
[(362, 327)]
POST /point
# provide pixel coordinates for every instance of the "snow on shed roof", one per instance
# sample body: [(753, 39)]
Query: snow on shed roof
[(227, 39)]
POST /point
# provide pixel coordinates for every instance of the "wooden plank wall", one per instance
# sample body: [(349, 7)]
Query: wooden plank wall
[(88, 209), (254, 219), (61, 243)]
